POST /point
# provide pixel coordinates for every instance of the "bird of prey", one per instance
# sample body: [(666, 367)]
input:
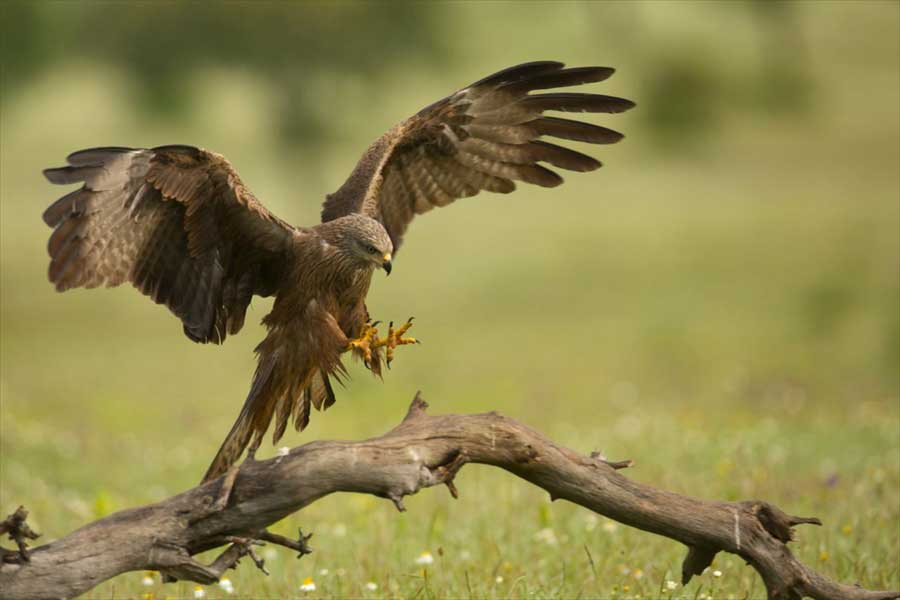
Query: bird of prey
[(179, 224)]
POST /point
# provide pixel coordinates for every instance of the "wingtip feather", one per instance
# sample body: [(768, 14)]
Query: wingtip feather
[(57, 175), (520, 71), (90, 156)]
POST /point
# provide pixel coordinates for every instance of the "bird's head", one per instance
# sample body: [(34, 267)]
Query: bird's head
[(366, 240)]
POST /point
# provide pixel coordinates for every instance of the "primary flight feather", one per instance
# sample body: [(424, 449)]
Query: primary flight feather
[(178, 223)]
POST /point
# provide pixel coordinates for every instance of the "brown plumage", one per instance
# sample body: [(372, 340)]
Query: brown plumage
[(178, 223)]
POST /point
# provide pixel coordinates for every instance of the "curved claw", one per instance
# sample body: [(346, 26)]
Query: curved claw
[(370, 343), (365, 344)]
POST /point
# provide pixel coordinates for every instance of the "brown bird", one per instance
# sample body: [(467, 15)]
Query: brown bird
[(178, 223)]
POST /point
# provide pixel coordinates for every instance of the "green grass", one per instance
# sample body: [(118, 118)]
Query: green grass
[(726, 316)]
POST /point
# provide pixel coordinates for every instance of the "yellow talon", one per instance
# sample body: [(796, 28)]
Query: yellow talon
[(367, 345), (395, 338)]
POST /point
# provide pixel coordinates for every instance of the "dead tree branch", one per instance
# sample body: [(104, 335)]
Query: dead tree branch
[(421, 452), (18, 530)]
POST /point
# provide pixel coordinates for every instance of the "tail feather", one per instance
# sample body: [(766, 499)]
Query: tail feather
[(268, 398), (231, 448), (290, 379), (247, 423), (320, 392)]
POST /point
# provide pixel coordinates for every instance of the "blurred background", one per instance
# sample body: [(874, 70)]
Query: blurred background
[(718, 303)]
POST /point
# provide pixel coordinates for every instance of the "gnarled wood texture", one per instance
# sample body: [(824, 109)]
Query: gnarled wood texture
[(422, 451)]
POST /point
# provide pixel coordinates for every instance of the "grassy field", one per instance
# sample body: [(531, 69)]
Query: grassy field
[(725, 314)]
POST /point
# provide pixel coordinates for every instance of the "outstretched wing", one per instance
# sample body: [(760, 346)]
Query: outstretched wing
[(176, 222), (483, 137)]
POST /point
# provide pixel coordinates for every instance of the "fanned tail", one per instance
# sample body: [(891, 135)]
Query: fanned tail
[(264, 400), (290, 379), (257, 410)]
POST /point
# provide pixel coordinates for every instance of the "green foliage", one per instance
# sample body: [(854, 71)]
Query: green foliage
[(160, 45), (725, 313), (291, 46)]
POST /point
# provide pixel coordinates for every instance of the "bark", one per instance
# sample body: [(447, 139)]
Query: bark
[(421, 452)]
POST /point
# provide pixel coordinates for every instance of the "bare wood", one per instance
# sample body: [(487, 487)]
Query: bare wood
[(421, 452), (18, 531)]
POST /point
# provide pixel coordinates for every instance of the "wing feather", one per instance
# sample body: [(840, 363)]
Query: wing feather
[(483, 137), (175, 221)]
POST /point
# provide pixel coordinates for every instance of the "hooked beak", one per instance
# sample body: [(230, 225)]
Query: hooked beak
[(386, 265)]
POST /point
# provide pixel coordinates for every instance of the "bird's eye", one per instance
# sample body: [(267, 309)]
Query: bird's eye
[(371, 249)]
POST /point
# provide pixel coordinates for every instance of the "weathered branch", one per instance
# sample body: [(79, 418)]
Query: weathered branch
[(18, 530), (422, 451)]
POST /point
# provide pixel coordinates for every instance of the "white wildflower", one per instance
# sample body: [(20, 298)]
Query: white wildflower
[(371, 586), (547, 536), (671, 585), (498, 579), (226, 585), (323, 572), (425, 558), (284, 451), (308, 585), (148, 578), (199, 592), (717, 573)]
